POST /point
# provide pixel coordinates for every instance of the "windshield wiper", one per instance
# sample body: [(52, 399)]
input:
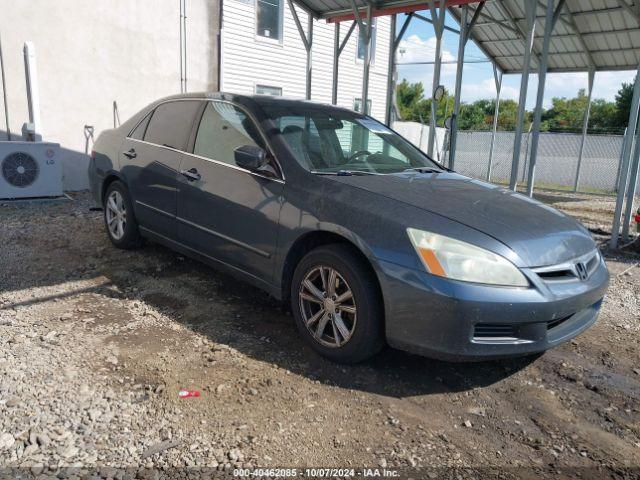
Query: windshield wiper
[(424, 170), (345, 173)]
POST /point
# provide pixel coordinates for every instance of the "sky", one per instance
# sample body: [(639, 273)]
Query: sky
[(419, 44)]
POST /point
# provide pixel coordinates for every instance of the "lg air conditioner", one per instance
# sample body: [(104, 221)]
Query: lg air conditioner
[(30, 170)]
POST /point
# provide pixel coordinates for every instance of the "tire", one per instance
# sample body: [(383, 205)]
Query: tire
[(128, 236), (359, 332)]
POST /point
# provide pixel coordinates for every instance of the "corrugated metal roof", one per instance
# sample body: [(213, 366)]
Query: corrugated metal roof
[(599, 34)]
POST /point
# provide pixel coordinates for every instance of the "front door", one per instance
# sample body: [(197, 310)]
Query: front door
[(224, 211)]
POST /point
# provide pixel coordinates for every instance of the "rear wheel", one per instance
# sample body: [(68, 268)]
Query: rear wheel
[(119, 219), (336, 303)]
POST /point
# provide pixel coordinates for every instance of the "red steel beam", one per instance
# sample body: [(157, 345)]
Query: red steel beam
[(380, 12)]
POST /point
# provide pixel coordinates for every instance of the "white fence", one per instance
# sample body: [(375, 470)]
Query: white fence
[(557, 164)]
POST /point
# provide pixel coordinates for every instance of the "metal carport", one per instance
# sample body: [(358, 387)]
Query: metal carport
[(518, 37)]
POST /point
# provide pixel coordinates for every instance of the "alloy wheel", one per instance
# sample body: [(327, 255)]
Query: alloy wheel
[(328, 306), (116, 213)]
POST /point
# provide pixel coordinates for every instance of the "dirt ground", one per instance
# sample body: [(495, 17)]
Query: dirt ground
[(95, 344)]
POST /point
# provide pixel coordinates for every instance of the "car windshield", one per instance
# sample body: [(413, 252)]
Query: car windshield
[(332, 141)]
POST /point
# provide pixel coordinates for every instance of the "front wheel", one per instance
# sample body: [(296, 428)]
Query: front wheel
[(336, 304)]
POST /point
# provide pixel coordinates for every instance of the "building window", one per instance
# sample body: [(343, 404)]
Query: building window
[(267, 90), (357, 105), (361, 42), (269, 19)]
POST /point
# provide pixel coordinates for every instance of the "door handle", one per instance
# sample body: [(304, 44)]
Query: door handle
[(192, 174), (131, 153)]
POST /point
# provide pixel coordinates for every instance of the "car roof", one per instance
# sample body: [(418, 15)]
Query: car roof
[(260, 100)]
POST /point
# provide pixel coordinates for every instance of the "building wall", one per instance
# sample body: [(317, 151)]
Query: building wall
[(92, 53), (249, 60)]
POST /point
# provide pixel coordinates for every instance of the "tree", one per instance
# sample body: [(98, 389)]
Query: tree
[(408, 95), (623, 104), (565, 114)]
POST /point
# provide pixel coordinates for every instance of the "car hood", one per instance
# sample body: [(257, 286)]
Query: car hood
[(539, 234)]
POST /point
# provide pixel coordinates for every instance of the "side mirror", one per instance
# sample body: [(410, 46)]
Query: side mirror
[(254, 159), (250, 157)]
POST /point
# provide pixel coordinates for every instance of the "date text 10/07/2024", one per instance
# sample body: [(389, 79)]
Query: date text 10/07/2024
[(316, 472)]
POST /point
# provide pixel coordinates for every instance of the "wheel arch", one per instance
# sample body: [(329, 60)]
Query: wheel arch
[(316, 238), (109, 178)]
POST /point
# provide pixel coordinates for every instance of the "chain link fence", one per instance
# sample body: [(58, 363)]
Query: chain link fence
[(557, 165)]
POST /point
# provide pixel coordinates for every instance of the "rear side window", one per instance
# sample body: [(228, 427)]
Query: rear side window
[(223, 128), (138, 132), (171, 123)]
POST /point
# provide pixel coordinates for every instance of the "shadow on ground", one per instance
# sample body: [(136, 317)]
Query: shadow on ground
[(242, 317)]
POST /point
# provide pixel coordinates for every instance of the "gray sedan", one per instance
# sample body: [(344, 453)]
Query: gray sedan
[(370, 241)]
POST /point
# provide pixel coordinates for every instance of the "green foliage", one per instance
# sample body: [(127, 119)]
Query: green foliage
[(623, 103), (565, 115)]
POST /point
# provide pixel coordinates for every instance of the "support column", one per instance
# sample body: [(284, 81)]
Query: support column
[(438, 26), (367, 63), (550, 22), (338, 48), (336, 63), (631, 188), (391, 72), (309, 56), (530, 10), (307, 40), (626, 157), (465, 30), (453, 139), (497, 77), (585, 127)]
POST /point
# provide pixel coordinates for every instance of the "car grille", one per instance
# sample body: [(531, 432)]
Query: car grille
[(567, 272)]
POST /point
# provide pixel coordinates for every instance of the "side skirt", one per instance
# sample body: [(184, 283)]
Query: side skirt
[(212, 262)]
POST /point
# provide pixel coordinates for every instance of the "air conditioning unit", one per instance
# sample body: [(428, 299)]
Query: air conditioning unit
[(30, 169)]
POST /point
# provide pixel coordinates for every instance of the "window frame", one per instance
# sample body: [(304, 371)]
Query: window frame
[(265, 39), (269, 149), (261, 85), (152, 112)]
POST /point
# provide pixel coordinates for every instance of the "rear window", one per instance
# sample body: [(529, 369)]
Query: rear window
[(138, 132), (171, 123)]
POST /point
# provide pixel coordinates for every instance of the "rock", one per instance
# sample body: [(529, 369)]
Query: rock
[(49, 336), (12, 402), (159, 448), (68, 452), (382, 462), (479, 411), (37, 469), (30, 450), (112, 360), (94, 414), (6, 441), (43, 439), (467, 424)]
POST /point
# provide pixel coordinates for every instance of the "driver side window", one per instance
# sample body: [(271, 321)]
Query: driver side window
[(223, 128)]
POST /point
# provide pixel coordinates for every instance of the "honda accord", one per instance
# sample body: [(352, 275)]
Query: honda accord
[(369, 239)]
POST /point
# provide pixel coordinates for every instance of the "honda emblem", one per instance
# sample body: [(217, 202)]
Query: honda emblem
[(581, 269)]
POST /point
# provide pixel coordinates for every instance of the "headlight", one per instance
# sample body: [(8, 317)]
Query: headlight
[(450, 258)]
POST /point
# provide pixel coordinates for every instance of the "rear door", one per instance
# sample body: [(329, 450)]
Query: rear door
[(150, 161), (225, 211)]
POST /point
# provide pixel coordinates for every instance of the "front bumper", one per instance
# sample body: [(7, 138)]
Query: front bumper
[(459, 321)]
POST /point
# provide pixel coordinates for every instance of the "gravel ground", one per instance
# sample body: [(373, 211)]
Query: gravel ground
[(95, 344)]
